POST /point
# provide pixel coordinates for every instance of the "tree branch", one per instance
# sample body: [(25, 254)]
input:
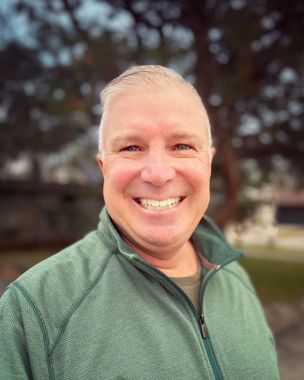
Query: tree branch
[(84, 36)]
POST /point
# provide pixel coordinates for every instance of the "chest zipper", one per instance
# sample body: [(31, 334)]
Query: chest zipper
[(204, 330), (209, 349), (199, 318), (202, 323)]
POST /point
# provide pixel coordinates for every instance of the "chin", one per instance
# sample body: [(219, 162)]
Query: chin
[(163, 241)]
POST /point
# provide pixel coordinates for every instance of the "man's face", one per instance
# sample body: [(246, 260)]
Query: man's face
[(156, 167)]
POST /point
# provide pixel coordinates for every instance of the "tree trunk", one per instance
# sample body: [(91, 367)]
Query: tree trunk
[(206, 73)]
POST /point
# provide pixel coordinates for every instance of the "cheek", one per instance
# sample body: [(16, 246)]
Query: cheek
[(117, 177), (198, 175)]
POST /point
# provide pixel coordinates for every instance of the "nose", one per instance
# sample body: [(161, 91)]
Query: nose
[(157, 170)]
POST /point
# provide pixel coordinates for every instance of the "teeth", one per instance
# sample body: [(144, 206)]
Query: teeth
[(153, 204)]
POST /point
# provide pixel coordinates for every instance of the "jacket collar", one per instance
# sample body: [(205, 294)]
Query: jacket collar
[(214, 250)]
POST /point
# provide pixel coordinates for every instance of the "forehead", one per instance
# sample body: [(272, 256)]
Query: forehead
[(174, 110)]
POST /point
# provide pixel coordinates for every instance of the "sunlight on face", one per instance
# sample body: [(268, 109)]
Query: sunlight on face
[(156, 167)]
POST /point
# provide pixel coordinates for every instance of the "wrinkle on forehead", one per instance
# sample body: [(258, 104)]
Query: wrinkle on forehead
[(122, 111)]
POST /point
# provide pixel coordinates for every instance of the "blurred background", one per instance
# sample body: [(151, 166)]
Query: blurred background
[(246, 58)]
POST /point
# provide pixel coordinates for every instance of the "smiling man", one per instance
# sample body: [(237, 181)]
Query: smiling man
[(152, 293), (156, 161)]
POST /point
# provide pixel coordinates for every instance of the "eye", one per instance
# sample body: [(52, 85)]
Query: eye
[(130, 148), (182, 147)]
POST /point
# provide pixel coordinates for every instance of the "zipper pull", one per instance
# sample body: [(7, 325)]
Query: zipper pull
[(204, 329)]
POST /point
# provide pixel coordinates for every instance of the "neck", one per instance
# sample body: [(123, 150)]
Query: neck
[(180, 263)]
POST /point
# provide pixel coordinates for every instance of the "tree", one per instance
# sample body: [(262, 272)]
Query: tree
[(50, 78), (244, 57)]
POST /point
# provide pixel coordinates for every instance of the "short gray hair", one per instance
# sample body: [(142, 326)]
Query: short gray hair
[(147, 76)]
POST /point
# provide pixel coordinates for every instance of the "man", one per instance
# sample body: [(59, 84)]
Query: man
[(149, 294)]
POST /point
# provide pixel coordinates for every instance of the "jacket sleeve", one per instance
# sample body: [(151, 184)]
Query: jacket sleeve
[(14, 358)]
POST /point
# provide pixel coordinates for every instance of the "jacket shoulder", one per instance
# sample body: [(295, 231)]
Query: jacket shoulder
[(50, 291), (74, 266), (236, 270)]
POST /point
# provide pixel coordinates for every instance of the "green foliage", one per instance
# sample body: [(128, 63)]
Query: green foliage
[(245, 57)]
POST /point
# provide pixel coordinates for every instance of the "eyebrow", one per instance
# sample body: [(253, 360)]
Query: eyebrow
[(183, 135), (136, 138), (133, 136), (121, 139)]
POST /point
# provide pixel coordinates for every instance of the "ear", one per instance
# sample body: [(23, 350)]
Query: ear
[(213, 151), (99, 160)]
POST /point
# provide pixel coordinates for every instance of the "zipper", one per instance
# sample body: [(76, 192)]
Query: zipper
[(200, 319), (202, 322), (211, 356), (204, 330)]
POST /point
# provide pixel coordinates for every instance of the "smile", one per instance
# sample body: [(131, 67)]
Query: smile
[(153, 204)]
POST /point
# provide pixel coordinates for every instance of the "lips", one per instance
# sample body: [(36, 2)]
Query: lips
[(153, 204)]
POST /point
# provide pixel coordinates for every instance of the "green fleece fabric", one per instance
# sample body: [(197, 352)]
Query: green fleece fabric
[(97, 311)]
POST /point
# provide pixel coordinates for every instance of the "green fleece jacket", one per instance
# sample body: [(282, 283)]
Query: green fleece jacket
[(97, 311)]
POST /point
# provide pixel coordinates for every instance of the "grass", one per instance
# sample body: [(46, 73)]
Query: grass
[(272, 253), (276, 281)]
